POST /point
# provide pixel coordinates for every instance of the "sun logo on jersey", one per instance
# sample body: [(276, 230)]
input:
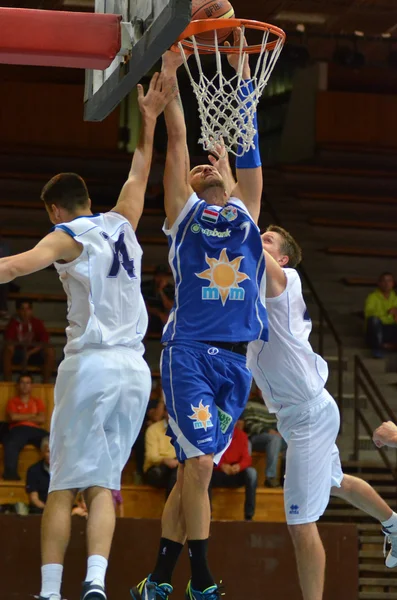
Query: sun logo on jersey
[(224, 277), (201, 416)]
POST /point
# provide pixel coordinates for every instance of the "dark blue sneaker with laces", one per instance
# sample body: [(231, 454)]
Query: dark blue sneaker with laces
[(212, 593), (149, 590), (92, 590)]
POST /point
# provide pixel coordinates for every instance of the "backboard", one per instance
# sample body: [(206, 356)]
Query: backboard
[(149, 28)]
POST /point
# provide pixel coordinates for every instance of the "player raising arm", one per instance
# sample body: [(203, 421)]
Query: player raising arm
[(103, 383), (218, 264), (292, 378)]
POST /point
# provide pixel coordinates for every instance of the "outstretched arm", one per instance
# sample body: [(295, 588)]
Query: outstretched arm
[(56, 246), (248, 167), (276, 281), (177, 189), (131, 199)]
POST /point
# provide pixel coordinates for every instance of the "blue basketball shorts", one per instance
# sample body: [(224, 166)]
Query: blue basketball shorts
[(206, 390)]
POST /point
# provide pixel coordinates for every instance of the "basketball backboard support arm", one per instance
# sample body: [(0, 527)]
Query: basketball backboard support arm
[(155, 25)]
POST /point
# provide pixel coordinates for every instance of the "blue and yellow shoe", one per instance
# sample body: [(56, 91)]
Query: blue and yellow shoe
[(149, 590), (212, 593)]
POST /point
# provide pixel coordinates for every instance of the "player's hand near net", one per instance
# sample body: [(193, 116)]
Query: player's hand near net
[(220, 160), (234, 59), (159, 94)]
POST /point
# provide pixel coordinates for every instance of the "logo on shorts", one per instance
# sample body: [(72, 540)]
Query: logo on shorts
[(224, 419), (294, 509), (224, 276), (201, 416), (212, 351)]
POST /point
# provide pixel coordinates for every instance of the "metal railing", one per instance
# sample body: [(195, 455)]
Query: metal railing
[(323, 318), (364, 383)]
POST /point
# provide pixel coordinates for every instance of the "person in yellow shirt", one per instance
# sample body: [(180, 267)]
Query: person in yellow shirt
[(381, 316), (161, 465)]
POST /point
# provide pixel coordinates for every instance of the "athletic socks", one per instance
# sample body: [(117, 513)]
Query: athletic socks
[(51, 579), (167, 558), (96, 569), (390, 526), (201, 576)]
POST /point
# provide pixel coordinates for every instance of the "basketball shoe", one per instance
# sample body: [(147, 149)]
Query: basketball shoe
[(92, 590), (149, 590), (212, 593), (391, 545)]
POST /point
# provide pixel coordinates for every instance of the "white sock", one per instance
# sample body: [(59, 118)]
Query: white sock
[(391, 524), (51, 579), (96, 569)]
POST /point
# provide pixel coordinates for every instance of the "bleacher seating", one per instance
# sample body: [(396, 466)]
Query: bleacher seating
[(344, 198), (363, 252), (359, 281), (353, 224), (142, 501)]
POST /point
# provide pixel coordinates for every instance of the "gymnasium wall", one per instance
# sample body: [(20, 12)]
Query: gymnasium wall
[(44, 108), (254, 560)]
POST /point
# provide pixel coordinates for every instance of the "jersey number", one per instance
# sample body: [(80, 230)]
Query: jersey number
[(120, 257)]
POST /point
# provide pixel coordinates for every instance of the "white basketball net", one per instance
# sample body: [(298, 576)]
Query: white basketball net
[(226, 116)]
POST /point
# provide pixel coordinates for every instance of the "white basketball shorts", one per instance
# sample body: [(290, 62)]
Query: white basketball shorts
[(101, 397), (312, 463)]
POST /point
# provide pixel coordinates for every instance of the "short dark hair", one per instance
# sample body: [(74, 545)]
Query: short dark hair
[(385, 274), (23, 375), (289, 246), (66, 190), (20, 301)]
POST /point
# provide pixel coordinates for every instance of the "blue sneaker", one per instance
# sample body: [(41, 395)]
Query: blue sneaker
[(149, 590), (212, 593)]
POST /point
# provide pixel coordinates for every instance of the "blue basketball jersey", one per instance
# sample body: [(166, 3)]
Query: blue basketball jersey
[(218, 264)]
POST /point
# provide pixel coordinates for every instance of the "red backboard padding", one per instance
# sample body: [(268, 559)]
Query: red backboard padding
[(58, 38)]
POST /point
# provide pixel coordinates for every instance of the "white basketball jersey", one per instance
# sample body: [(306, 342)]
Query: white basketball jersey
[(103, 285), (286, 368)]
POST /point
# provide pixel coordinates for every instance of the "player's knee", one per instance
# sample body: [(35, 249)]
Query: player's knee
[(199, 469), (301, 532)]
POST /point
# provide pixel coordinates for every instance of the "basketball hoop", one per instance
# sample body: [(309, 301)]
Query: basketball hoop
[(227, 106)]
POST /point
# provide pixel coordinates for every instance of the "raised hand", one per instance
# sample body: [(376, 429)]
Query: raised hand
[(159, 94), (234, 59)]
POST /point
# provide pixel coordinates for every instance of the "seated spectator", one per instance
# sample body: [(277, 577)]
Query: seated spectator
[(80, 508), (26, 343), (161, 465), (38, 480), (381, 316), (118, 503), (234, 470), (26, 416), (261, 428), (159, 295)]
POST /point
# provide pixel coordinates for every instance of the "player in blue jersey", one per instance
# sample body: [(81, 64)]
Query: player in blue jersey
[(217, 261)]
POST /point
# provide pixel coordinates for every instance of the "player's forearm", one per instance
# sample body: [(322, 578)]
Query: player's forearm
[(140, 166), (173, 113), (8, 270)]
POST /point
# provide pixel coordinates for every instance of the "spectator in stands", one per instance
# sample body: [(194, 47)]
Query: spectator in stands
[(381, 316), (161, 464), (26, 416), (118, 502), (261, 428), (26, 342), (4, 287), (235, 470), (38, 480), (159, 295)]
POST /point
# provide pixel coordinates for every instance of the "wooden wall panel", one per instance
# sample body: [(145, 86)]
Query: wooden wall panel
[(361, 119), (51, 115)]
